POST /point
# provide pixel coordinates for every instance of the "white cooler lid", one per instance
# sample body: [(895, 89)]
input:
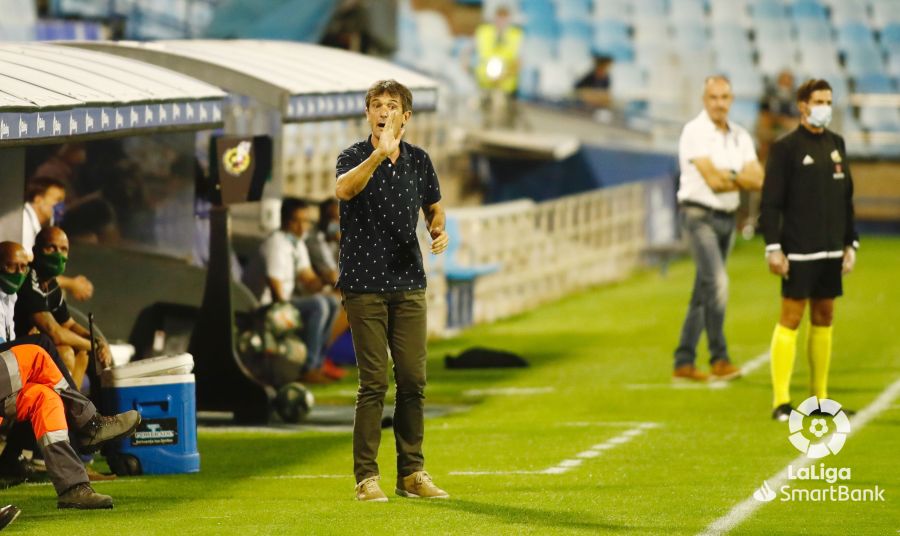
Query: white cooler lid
[(148, 381), (155, 366)]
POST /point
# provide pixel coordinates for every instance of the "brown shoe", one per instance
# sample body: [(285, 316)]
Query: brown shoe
[(369, 491), (723, 370), (96, 476), (419, 486), (83, 497), (315, 377), (689, 373)]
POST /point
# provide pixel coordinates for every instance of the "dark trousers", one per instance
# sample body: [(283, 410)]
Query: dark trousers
[(710, 237), (379, 321)]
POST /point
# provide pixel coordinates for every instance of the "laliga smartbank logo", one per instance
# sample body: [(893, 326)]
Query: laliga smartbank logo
[(818, 428)]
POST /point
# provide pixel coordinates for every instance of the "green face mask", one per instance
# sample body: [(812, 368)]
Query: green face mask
[(50, 264), (11, 283)]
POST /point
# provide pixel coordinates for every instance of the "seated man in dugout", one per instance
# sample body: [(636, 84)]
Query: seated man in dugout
[(32, 389), (41, 306)]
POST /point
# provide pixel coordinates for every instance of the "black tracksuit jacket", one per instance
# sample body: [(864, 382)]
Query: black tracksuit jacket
[(807, 196)]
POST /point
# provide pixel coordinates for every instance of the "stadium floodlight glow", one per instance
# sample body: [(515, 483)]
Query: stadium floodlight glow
[(819, 427)]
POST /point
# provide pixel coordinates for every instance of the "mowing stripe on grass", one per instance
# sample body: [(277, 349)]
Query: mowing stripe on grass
[(571, 463), (748, 506), (299, 477), (509, 391), (746, 369)]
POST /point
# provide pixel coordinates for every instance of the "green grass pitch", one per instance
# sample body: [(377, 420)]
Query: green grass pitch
[(600, 367)]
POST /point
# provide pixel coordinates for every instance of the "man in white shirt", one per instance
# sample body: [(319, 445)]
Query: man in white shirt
[(273, 276), (717, 160), (44, 199)]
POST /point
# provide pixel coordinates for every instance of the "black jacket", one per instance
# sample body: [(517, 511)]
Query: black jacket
[(807, 196)]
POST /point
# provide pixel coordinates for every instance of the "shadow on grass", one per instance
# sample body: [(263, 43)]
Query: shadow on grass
[(552, 519)]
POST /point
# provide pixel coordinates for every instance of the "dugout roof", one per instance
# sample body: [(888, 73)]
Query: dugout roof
[(50, 93), (303, 81)]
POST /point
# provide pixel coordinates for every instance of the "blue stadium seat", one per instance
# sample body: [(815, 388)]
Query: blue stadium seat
[(860, 62), (649, 8), (850, 11), (813, 31), (628, 82), (576, 29), (875, 83), (767, 9), (744, 112), (820, 62), (687, 10), (854, 35), (691, 37), (890, 37), (612, 9), (573, 9), (808, 9), (542, 27), (880, 118), (885, 12), (893, 64)]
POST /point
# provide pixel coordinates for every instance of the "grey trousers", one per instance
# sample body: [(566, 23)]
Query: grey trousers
[(710, 237), (395, 320)]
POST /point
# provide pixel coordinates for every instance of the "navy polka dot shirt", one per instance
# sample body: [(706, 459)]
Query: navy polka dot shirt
[(379, 248)]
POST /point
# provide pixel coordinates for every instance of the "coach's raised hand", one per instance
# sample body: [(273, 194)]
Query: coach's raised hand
[(391, 134)]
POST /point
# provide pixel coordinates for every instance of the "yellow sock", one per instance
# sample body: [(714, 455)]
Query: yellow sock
[(819, 353), (781, 359)]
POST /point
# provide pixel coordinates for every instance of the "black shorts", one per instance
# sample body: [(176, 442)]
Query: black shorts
[(813, 279)]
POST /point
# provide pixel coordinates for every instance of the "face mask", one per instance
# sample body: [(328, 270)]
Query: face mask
[(50, 264), (58, 210), (11, 283), (820, 115)]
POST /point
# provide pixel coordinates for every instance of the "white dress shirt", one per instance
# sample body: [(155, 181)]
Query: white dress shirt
[(7, 316), (727, 150), (31, 226)]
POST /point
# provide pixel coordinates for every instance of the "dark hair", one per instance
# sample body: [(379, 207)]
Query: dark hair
[(289, 205), (323, 212), (39, 185), (392, 88), (806, 89)]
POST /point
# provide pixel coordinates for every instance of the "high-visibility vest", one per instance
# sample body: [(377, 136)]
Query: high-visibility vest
[(506, 49)]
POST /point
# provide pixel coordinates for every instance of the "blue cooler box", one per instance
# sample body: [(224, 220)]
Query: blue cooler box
[(163, 391)]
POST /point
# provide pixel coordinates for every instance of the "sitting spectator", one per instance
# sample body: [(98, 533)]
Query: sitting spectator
[(323, 243), (778, 113), (44, 398), (274, 274), (42, 308), (44, 201), (593, 88)]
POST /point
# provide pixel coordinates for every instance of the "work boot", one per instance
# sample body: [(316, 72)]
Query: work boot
[(369, 491), (419, 485), (101, 429), (83, 497)]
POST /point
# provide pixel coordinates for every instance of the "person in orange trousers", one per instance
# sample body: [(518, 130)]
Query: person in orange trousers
[(29, 381)]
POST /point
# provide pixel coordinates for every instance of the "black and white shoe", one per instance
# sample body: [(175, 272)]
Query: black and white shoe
[(782, 412), (8, 514)]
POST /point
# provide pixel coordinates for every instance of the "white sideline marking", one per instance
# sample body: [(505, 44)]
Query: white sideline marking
[(126, 480), (571, 463), (748, 506), (299, 477), (746, 369), (509, 391), (630, 424)]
